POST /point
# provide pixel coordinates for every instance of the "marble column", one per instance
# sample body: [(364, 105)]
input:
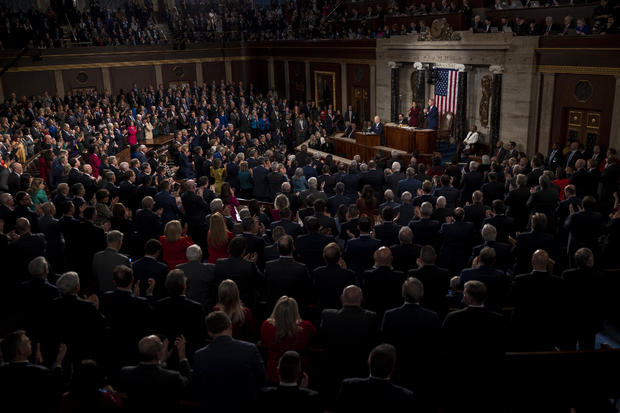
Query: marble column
[(228, 70), (614, 136), (60, 86), (159, 78), (199, 74), (2, 91), (107, 79), (271, 77), (287, 86), (460, 130), (394, 92), (496, 104), (373, 91)]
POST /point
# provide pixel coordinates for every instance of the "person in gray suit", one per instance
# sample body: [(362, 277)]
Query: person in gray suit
[(200, 277), (105, 261)]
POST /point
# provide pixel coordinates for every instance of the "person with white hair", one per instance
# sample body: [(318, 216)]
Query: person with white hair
[(200, 277), (388, 195), (392, 179)]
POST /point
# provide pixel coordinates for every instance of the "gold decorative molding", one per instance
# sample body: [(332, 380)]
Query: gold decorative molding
[(579, 70)]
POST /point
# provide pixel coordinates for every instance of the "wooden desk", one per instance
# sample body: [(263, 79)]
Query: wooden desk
[(410, 140), (367, 138)]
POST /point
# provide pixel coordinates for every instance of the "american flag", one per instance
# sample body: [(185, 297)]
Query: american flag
[(446, 87)]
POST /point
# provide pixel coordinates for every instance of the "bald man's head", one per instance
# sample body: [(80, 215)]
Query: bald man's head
[(540, 260), (150, 347), (383, 257), (352, 296)]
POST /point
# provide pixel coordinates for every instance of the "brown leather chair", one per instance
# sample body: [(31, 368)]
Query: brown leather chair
[(446, 124)]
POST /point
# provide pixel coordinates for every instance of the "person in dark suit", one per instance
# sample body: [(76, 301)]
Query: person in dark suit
[(285, 276), (539, 318), (516, 202), (405, 252), (127, 191), (166, 202), (290, 393), (329, 280), (148, 222), (261, 185), (104, 262), (130, 317), (458, 236), (503, 251), (195, 209), (431, 113), (425, 230), (584, 287), (13, 180), (414, 331), (382, 283), (186, 168), (387, 232), (585, 226), (492, 190), (377, 127), (392, 180), (377, 392), (254, 243), (228, 373), (573, 154), (239, 269), (555, 158), (200, 277), (177, 315), (309, 247), (448, 191), (149, 268), (536, 172), (470, 182), (476, 212), (405, 212), (474, 330), (23, 250), (290, 227), (528, 242), (495, 281), (375, 178), (435, 280), (91, 239), (409, 184), (150, 386), (545, 200), (275, 179), (503, 224), (338, 199), (351, 116), (359, 251)]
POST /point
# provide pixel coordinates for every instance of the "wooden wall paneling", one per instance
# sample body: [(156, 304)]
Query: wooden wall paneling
[(297, 80), (601, 100), (180, 72), (358, 80), (82, 78), (213, 71), (28, 83), (278, 69), (125, 77), (251, 72)]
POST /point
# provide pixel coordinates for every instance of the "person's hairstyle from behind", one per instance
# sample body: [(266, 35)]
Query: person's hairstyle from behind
[(86, 383), (152, 246), (149, 347), (285, 317), (12, 344), (114, 237), (217, 322), (584, 257), (281, 202), (428, 255), (193, 253), (289, 367), (277, 233), (487, 256), (216, 205), (413, 290), (229, 301), (236, 247), (331, 253), (475, 292), (89, 213), (173, 230), (285, 245), (176, 282), (387, 213), (381, 361), (123, 276), (364, 224), (489, 232), (367, 194), (539, 221), (217, 230), (38, 267), (588, 203), (68, 283)]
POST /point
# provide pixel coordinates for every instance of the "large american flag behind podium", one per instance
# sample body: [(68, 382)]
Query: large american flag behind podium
[(446, 88)]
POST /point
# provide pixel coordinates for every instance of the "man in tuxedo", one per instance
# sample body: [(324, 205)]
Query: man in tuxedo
[(413, 330), (377, 127), (309, 247), (435, 280), (376, 393), (228, 373), (290, 393), (431, 113), (239, 269), (348, 334), (382, 282), (495, 280), (149, 385), (285, 276), (200, 277), (329, 280), (105, 261), (539, 318)]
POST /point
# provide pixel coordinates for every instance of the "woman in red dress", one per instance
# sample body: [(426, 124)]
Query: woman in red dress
[(174, 244), (131, 134), (367, 203), (229, 302), (414, 115), (93, 160), (284, 331), (218, 238)]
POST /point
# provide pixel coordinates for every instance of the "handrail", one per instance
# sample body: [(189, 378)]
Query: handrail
[(71, 27)]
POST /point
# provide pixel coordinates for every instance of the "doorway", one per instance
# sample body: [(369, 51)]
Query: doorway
[(583, 126), (361, 104)]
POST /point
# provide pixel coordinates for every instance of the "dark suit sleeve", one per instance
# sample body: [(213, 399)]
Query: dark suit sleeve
[(258, 367)]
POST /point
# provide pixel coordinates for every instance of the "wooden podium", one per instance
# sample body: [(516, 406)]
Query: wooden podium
[(410, 140), (367, 139)]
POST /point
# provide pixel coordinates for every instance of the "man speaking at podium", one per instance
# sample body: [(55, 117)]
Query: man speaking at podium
[(377, 127)]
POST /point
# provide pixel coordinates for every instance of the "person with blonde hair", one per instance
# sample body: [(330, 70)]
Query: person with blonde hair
[(279, 204), (174, 244), (218, 238), (229, 301), (284, 331)]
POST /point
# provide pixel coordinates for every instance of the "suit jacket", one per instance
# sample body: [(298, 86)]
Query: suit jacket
[(359, 252), (492, 191), (285, 276), (554, 159), (585, 227), (504, 225), (103, 266), (200, 282), (450, 193), (405, 213), (261, 185), (378, 129), (496, 281), (425, 231), (291, 228), (382, 288), (476, 213), (504, 259), (387, 233), (309, 249), (128, 195), (21, 251), (532, 177), (149, 386), (180, 315), (584, 289), (244, 273), (392, 180), (432, 118), (409, 184), (229, 374), (166, 201), (90, 239), (275, 180), (539, 316), (470, 182), (195, 207), (436, 282), (149, 224), (148, 267), (335, 201), (456, 245), (572, 157), (329, 282), (19, 380), (281, 398), (373, 395), (516, 201), (376, 179), (474, 330), (13, 182), (404, 256), (527, 243)]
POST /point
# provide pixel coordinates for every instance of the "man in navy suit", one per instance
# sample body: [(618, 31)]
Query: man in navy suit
[(495, 280), (409, 184), (359, 251), (229, 373), (167, 203), (432, 115), (377, 127)]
